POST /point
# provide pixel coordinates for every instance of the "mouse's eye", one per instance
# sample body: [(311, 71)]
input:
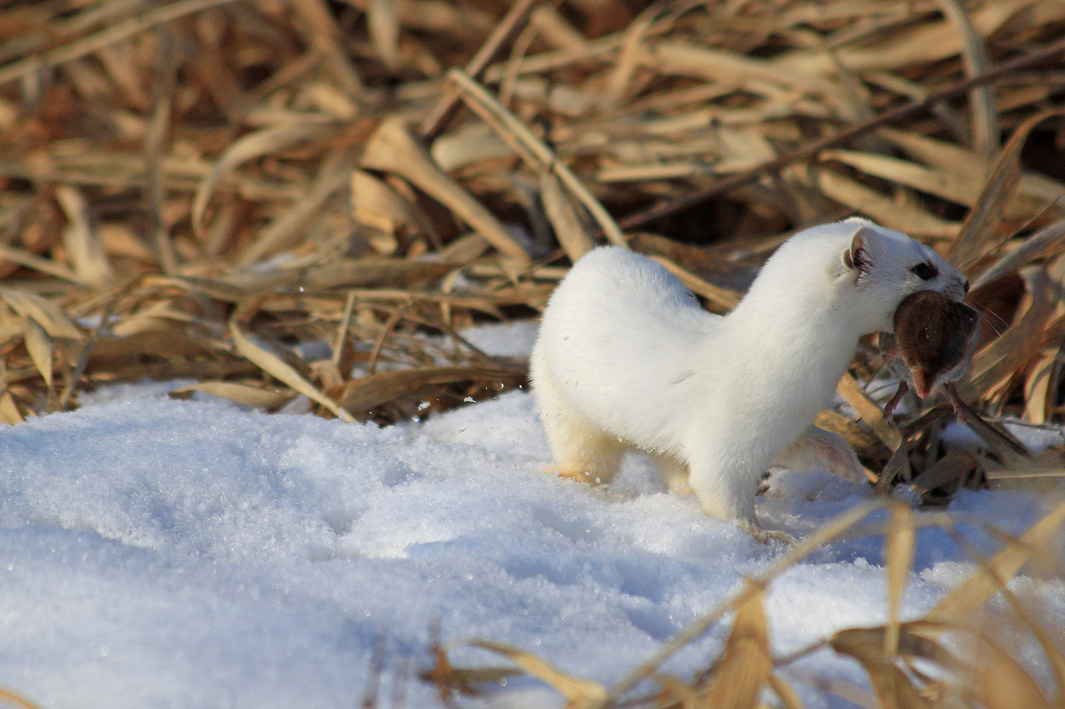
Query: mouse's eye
[(925, 271)]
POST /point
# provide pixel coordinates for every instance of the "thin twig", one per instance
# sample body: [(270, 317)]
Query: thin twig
[(386, 330), (342, 332)]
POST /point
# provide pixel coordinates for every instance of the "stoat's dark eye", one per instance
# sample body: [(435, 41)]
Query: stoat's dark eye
[(925, 271)]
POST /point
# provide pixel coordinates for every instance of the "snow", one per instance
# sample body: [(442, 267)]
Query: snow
[(161, 553)]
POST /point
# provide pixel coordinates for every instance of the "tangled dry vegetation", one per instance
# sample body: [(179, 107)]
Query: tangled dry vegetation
[(954, 656), (301, 203)]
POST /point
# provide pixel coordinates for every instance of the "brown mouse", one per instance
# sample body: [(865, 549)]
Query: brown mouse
[(931, 346)]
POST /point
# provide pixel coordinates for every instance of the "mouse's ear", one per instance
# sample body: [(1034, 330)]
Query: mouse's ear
[(857, 257)]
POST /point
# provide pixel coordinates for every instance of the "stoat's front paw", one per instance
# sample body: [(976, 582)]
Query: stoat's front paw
[(570, 474)]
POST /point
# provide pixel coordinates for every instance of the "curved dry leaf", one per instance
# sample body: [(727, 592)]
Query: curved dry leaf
[(952, 467), (45, 312), (579, 693), (563, 216), (918, 641), (41, 348), (927, 631), (1040, 386), (1003, 683), (253, 145), (1022, 341), (373, 390), (869, 411), (1035, 190), (9, 412), (985, 581), (392, 148), (628, 59), (747, 664), (983, 220), (1036, 246), (82, 239), (166, 343), (789, 698), (382, 20), (962, 186), (30, 260), (280, 370), (255, 396), (378, 206), (899, 543), (864, 443), (909, 218), (893, 687)]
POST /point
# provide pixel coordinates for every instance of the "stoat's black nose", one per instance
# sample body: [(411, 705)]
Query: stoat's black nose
[(965, 286)]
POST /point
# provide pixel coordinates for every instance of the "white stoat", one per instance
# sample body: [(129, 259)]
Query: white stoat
[(627, 358)]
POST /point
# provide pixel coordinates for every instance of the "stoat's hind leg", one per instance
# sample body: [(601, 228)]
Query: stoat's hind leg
[(816, 448), (581, 450), (672, 472)]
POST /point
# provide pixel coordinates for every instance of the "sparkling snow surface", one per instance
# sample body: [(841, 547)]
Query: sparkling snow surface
[(159, 553)]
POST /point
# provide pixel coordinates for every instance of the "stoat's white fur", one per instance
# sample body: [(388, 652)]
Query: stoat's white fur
[(627, 358)]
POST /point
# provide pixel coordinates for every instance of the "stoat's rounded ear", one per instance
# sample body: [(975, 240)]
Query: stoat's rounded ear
[(856, 258)]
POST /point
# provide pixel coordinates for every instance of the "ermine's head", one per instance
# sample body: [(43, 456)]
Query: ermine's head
[(883, 267), (853, 271)]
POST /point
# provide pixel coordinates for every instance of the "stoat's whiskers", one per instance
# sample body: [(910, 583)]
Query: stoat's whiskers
[(994, 323)]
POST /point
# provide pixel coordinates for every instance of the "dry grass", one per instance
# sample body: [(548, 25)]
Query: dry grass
[(959, 654), (212, 189)]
